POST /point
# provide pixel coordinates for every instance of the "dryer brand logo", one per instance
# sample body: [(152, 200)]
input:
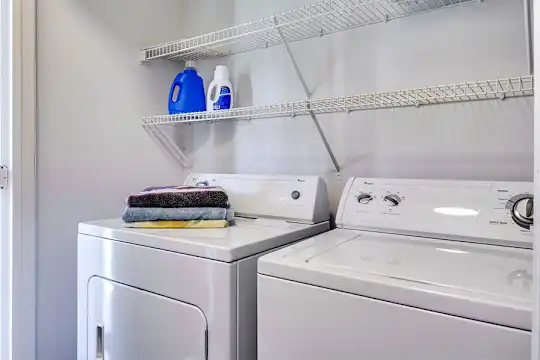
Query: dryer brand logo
[(502, 190), (368, 183)]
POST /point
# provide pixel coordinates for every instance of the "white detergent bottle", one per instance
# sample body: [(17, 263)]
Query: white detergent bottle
[(220, 92)]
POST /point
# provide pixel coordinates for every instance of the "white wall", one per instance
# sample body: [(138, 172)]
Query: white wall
[(479, 140), (92, 150), (92, 92)]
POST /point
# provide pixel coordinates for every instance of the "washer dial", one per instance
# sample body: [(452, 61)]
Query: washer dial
[(521, 208), (392, 200), (364, 198)]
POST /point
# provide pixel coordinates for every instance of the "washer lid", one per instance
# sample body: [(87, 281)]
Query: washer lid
[(483, 282), (247, 237)]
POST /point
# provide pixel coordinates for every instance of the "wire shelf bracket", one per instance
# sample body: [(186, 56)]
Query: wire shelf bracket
[(170, 146), (321, 18), (308, 95)]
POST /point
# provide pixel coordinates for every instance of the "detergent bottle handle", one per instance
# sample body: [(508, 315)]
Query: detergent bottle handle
[(213, 91), (176, 83)]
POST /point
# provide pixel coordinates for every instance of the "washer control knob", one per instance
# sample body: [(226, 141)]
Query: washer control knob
[(522, 209), (392, 200), (523, 212), (295, 195), (364, 198)]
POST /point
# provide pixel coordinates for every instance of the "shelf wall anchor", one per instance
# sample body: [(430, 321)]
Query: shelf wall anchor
[(308, 96)]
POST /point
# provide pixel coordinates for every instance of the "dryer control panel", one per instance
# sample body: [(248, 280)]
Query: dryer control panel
[(477, 211), (294, 198)]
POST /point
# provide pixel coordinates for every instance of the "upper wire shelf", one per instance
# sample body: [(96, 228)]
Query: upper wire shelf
[(323, 17), (470, 91)]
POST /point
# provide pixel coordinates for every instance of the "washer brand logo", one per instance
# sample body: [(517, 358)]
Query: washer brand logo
[(502, 190), (368, 183)]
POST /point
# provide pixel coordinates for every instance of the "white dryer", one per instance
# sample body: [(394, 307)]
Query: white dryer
[(179, 294), (417, 270)]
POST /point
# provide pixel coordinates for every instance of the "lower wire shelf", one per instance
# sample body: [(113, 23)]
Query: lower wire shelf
[(440, 94)]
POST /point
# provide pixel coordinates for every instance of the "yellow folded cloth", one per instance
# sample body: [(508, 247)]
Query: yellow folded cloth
[(179, 224)]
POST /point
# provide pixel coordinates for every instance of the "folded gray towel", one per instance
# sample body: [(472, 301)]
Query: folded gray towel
[(134, 214), (180, 196)]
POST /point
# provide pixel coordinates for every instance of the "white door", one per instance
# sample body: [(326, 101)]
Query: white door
[(129, 323)]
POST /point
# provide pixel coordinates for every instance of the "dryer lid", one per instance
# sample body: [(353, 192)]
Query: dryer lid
[(483, 282), (247, 237)]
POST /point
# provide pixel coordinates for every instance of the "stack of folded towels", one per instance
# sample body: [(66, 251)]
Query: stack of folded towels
[(189, 207)]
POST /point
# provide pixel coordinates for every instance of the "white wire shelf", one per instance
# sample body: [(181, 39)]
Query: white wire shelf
[(320, 18), (470, 91)]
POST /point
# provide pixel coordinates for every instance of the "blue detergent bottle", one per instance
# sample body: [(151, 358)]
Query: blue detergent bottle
[(187, 91)]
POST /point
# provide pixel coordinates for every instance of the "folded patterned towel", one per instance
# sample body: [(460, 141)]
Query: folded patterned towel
[(180, 196), (133, 214), (191, 224)]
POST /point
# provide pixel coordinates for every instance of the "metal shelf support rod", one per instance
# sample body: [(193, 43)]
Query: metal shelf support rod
[(308, 95), (169, 145)]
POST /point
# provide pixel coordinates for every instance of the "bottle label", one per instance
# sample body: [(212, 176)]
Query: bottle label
[(224, 100)]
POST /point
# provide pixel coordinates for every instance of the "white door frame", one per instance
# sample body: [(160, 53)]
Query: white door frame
[(536, 310), (18, 206)]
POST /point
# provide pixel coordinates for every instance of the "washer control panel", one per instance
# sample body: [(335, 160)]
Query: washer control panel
[(479, 211)]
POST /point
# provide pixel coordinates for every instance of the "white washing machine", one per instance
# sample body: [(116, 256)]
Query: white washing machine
[(417, 270), (179, 294)]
